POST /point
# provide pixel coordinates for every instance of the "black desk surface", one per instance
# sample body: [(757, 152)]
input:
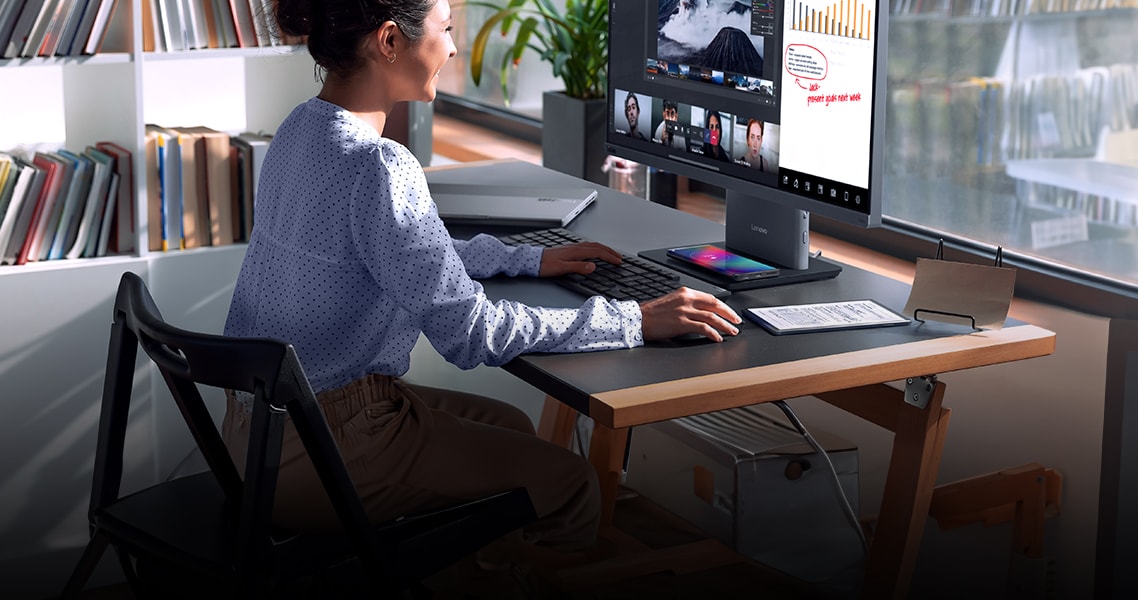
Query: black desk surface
[(631, 224)]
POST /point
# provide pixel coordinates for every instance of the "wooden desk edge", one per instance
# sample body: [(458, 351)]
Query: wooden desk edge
[(698, 395)]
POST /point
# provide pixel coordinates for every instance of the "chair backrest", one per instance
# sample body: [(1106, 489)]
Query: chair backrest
[(266, 368)]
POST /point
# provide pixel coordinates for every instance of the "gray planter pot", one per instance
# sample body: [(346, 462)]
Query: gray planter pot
[(573, 136)]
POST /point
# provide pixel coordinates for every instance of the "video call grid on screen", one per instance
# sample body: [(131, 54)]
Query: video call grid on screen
[(711, 89)]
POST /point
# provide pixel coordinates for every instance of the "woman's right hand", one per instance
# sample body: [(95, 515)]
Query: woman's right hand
[(687, 311)]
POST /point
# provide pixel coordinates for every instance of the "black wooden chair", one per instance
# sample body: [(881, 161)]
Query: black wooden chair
[(211, 532)]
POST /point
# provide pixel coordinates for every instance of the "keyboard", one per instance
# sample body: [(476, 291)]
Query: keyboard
[(635, 278)]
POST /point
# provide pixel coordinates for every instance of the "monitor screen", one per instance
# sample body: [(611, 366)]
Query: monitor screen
[(777, 101)]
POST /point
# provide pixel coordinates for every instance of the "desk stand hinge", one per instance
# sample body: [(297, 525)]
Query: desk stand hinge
[(918, 390)]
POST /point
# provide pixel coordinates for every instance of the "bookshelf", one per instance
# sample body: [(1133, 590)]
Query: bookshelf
[(55, 314)]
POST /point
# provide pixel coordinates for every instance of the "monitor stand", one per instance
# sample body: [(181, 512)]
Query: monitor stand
[(766, 231)]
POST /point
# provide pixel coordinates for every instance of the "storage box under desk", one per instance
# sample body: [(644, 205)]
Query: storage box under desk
[(747, 478)]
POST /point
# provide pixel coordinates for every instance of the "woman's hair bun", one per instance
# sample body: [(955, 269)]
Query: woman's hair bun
[(295, 17)]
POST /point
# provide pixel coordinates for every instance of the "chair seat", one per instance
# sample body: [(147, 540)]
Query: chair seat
[(186, 521)]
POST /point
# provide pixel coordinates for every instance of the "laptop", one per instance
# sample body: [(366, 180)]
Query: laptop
[(539, 207)]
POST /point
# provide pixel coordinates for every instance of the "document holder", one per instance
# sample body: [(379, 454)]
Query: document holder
[(957, 292)]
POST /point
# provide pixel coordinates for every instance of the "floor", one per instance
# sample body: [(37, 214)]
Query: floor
[(714, 572)]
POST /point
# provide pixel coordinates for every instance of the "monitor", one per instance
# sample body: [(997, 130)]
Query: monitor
[(779, 102)]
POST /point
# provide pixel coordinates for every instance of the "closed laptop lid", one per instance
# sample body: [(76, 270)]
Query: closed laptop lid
[(510, 205)]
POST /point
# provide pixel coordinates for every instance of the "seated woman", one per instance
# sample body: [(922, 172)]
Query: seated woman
[(349, 261)]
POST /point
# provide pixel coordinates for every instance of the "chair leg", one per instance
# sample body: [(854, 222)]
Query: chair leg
[(87, 562)]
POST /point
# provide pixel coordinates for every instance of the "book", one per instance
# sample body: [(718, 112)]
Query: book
[(122, 234), (9, 172), (56, 203), (98, 34), (21, 27), (35, 31), (27, 192), (72, 204), (195, 198), (170, 19), (170, 183), (5, 189), (153, 191), (94, 19), (243, 23), (108, 224), (90, 223), (251, 149), (20, 178), (49, 39), (236, 191), (69, 27), (226, 28), (193, 25), (151, 29), (209, 19), (215, 151), (44, 201), (260, 28), (9, 14)]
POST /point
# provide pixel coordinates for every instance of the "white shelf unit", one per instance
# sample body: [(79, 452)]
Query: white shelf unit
[(55, 315)]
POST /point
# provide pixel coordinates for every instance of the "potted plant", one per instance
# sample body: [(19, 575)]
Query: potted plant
[(574, 41)]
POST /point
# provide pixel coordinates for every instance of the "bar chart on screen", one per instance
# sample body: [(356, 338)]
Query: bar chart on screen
[(844, 18)]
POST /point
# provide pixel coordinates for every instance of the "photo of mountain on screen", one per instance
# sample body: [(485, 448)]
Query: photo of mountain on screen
[(710, 41)]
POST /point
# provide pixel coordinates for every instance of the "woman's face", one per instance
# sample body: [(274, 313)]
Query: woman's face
[(714, 130), (430, 53), (754, 139)]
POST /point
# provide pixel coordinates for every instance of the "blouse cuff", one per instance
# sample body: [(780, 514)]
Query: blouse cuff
[(632, 320)]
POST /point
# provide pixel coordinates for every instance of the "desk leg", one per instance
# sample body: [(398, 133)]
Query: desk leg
[(606, 453), (557, 422), (917, 446)]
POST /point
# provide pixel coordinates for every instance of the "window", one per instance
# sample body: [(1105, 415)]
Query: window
[(1017, 130), (1011, 124)]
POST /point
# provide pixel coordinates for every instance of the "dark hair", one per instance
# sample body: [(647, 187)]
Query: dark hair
[(335, 29)]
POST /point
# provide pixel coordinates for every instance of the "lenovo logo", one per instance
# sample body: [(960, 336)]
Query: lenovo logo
[(758, 229)]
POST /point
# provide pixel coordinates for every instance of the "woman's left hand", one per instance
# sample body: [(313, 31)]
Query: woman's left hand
[(575, 258)]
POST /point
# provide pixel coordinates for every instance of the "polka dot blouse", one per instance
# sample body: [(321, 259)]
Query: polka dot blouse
[(349, 262)]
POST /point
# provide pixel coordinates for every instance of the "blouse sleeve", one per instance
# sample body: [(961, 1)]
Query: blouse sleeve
[(409, 252)]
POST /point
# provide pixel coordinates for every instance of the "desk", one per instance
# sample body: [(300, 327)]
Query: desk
[(849, 369)]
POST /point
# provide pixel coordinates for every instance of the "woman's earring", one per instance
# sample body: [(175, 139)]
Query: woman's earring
[(391, 59)]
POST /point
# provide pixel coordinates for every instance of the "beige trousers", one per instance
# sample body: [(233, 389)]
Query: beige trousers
[(411, 448)]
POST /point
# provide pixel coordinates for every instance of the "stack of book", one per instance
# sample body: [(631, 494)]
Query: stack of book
[(31, 28), (200, 186), (173, 25), (66, 205)]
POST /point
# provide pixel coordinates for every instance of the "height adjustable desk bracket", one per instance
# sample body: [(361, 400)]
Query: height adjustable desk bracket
[(918, 390)]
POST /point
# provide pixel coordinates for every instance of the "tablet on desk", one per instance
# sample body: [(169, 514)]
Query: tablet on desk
[(825, 316), (470, 204)]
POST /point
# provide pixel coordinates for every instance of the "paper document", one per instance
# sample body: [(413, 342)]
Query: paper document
[(850, 314)]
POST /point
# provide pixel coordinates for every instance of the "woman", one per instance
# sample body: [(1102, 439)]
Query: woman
[(755, 159), (349, 262), (713, 137)]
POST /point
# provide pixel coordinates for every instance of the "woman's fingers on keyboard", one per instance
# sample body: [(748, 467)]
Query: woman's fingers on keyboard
[(575, 258)]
